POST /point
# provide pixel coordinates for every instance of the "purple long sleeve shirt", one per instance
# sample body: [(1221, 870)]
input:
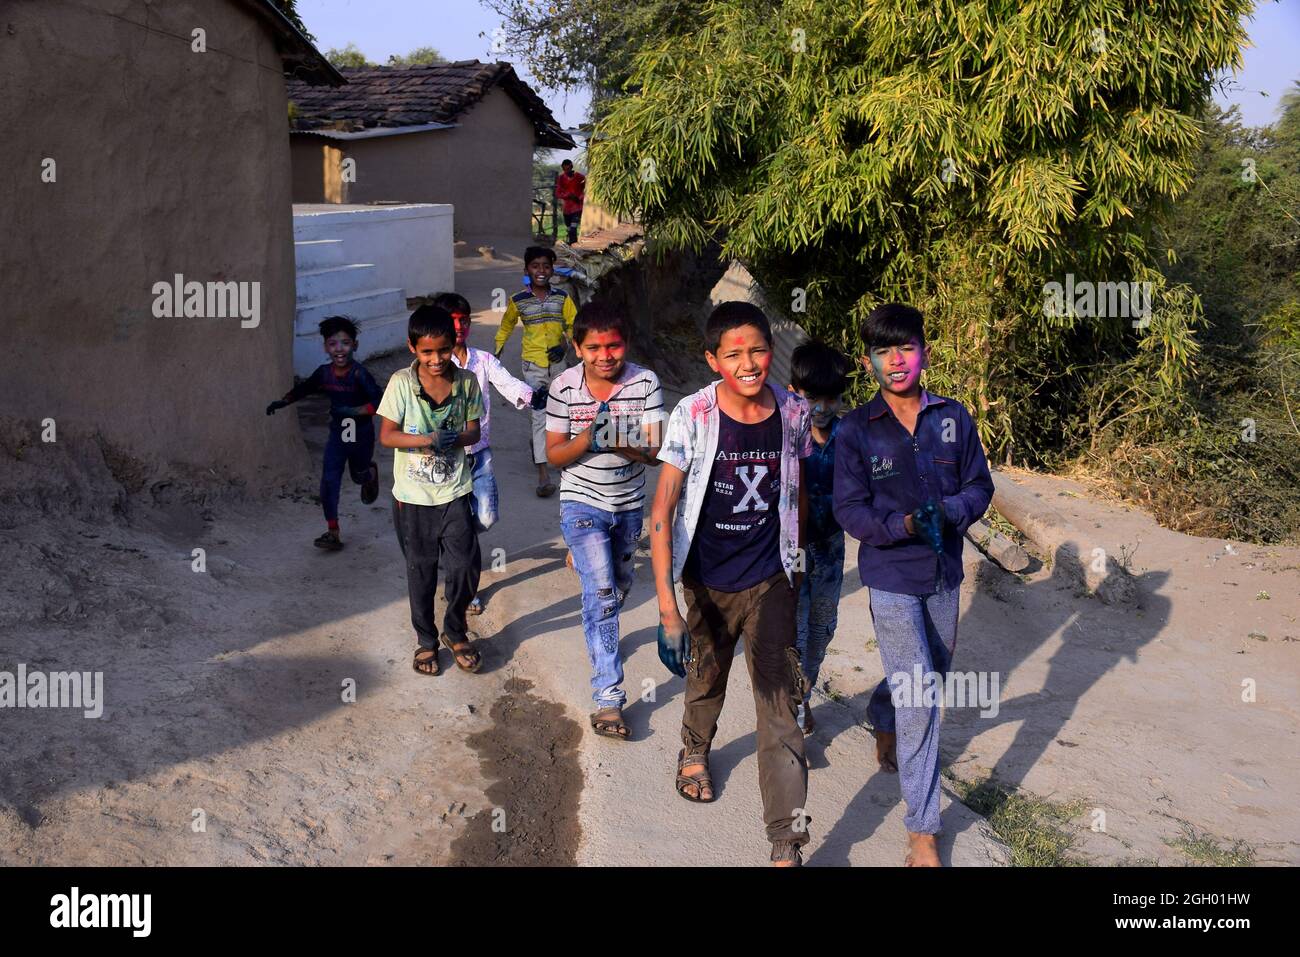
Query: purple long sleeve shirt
[(882, 473)]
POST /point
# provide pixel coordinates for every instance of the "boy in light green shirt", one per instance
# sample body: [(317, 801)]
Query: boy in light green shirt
[(428, 416)]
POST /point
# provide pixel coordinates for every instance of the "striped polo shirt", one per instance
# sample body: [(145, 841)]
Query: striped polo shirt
[(605, 480), (547, 323)]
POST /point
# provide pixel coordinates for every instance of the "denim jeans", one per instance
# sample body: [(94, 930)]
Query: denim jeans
[(483, 500), (819, 607), (354, 455), (914, 630), (603, 545)]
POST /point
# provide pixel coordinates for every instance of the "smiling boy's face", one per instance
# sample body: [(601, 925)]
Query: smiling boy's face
[(339, 347), (433, 353), (743, 358), (602, 353), (540, 271), (898, 368)]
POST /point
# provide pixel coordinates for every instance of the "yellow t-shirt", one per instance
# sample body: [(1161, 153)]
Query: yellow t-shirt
[(547, 323), (427, 476)]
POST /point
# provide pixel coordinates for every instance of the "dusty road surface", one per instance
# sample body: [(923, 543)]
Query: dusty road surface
[(264, 710)]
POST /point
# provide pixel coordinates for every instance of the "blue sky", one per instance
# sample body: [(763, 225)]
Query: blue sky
[(1272, 63), (384, 27)]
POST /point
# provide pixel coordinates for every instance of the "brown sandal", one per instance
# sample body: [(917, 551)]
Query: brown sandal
[(431, 658), (608, 722), (699, 780), (462, 651)]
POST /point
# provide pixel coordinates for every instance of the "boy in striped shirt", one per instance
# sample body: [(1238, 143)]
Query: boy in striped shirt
[(602, 429)]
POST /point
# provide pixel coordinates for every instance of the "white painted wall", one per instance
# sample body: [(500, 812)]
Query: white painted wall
[(409, 245)]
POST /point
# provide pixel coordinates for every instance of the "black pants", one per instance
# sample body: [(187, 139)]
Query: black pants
[(430, 535), (571, 222)]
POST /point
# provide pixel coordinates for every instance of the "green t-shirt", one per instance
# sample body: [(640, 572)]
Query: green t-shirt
[(427, 476)]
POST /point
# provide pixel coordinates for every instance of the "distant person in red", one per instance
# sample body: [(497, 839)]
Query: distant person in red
[(570, 187)]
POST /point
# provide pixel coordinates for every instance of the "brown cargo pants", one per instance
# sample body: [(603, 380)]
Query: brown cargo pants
[(765, 617)]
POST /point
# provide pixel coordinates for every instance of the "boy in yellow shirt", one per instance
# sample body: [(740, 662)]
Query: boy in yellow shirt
[(547, 315)]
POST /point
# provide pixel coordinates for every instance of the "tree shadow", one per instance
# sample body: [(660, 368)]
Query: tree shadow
[(1015, 622)]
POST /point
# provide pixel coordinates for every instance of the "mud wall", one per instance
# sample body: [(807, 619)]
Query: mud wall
[(165, 161), (483, 166)]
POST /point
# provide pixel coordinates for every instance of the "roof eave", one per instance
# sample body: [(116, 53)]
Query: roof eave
[(298, 54)]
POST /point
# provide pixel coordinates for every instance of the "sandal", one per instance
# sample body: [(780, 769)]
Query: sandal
[(546, 491), (328, 542), (474, 608), (428, 664), (463, 651), (608, 722), (699, 780)]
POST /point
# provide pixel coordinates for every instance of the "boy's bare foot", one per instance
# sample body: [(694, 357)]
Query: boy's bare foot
[(922, 851), (887, 751)]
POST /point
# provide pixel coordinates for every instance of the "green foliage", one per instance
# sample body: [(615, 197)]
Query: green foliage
[(290, 10), (1231, 466), (961, 156), (350, 55), (420, 56), (587, 43)]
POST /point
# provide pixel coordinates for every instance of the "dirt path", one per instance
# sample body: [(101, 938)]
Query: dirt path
[(226, 691)]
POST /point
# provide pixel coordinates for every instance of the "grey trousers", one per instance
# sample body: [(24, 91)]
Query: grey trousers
[(539, 377)]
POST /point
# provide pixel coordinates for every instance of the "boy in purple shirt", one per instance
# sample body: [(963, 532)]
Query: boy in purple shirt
[(910, 478)]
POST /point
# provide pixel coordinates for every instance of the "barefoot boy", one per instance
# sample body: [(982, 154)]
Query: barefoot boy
[(726, 521), (547, 315), (429, 415), (603, 423), (910, 477), (486, 368), (353, 395)]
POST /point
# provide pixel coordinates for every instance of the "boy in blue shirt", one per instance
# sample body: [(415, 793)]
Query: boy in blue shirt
[(354, 395), (820, 375), (910, 478)]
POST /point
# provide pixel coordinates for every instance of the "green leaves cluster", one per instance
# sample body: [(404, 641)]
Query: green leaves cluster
[(955, 155), (568, 44)]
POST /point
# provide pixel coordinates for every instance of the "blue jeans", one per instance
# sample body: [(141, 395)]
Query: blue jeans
[(819, 607), (603, 545), (354, 455), (483, 499), (914, 630)]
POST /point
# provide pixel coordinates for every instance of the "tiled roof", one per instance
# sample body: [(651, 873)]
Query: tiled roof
[(386, 96)]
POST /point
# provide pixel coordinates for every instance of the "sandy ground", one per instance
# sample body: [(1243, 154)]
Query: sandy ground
[(228, 735)]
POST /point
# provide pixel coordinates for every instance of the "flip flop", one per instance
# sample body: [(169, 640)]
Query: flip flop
[(466, 650), (546, 491)]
